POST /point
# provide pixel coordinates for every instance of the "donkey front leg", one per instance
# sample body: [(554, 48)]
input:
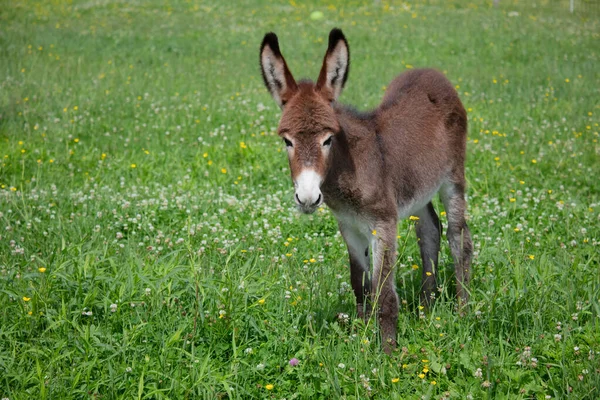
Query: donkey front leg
[(384, 286), (360, 266)]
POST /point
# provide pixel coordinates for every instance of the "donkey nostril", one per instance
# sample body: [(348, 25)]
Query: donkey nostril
[(316, 203), (298, 200)]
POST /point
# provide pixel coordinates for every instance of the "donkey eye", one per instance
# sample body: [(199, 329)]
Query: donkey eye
[(288, 143), (328, 141)]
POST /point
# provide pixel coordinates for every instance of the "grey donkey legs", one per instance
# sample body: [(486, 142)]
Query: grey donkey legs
[(360, 267), (429, 230), (459, 238), (379, 288), (383, 287)]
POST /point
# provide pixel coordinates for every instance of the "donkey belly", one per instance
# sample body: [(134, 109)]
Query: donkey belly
[(410, 207)]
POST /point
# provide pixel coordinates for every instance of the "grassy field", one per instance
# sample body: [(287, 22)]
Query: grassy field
[(149, 243)]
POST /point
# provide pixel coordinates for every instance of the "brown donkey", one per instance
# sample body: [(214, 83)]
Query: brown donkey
[(376, 167)]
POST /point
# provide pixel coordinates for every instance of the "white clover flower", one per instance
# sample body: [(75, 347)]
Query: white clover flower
[(557, 337), (534, 362)]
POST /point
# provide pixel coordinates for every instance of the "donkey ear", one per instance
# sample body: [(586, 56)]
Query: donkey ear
[(275, 72), (336, 65)]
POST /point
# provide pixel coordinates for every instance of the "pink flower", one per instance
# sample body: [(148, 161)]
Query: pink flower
[(294, 361)]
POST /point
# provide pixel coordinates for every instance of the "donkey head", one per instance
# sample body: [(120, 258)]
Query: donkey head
[(308, 123)]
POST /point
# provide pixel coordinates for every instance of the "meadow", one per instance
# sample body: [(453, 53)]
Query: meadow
[(149, 243)]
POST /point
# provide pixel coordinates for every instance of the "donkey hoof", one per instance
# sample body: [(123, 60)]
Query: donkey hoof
[(389, 345)]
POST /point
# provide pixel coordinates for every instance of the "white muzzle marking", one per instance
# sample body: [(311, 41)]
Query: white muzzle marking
[(308, 190)]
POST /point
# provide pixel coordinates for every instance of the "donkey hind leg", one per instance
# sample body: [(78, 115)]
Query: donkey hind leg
[(360, 266), (429, 230), (459, 238), (384, 284)]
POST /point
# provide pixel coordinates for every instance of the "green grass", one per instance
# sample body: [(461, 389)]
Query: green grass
[(149, 245)]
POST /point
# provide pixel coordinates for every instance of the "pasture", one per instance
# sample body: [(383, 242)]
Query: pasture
[(150, 246)]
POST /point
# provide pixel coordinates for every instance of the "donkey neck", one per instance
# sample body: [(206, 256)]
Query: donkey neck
[(355, 160)]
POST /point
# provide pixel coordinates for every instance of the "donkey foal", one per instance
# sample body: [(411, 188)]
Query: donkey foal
[(376, 167)]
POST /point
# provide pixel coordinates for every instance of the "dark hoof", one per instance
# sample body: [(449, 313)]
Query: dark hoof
[(363, 311), (388, 346)]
